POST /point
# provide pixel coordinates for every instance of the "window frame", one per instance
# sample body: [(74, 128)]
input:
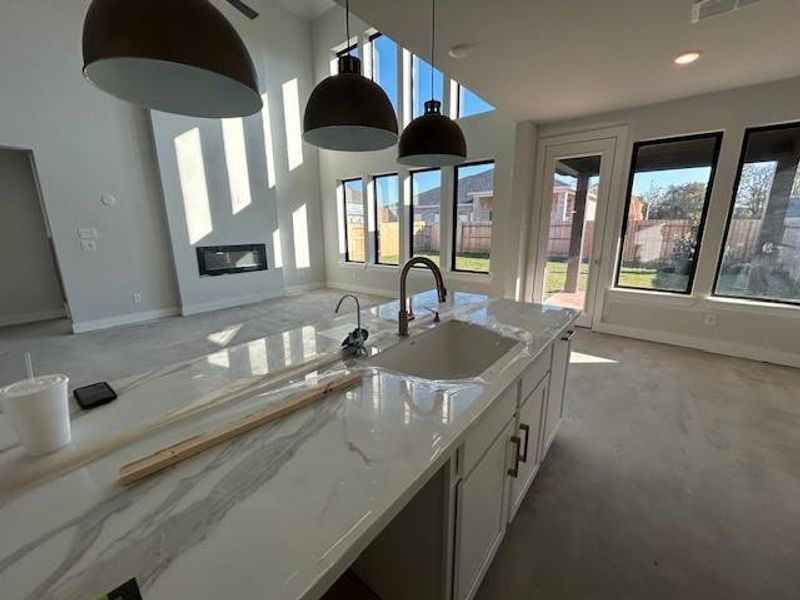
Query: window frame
[(343, 183), (412, 81), (717, 136), (345, 52), (411, 174), (732, 205), (376, 235), (370, 40), (457, 101), (454, 218)]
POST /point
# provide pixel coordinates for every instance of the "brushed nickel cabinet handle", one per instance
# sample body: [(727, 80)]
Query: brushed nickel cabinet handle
[(568, 336), (527, 429), (514, 471)]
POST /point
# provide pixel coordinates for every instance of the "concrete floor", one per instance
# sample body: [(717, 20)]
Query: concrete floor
[(676, 474), (113, 353)]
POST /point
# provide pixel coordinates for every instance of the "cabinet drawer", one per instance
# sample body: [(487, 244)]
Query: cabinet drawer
[(535, 373), (484, 432)]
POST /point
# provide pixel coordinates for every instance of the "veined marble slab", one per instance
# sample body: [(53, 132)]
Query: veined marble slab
[(278, 513)]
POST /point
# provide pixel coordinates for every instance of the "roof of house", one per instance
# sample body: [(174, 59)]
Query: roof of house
[(480, 182)]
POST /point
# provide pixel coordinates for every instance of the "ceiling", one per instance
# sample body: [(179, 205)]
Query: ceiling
[(547, 60), (307, 9)]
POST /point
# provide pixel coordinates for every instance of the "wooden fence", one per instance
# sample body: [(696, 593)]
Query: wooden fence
[(647, 242), (474, 238), (652, 241)]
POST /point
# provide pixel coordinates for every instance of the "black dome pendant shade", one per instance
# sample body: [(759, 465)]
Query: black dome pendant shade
[(177, 56), (349, 112), (432, 139)]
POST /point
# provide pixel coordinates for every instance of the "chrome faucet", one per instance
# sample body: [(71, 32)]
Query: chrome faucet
[(406, 313), (354, 344)]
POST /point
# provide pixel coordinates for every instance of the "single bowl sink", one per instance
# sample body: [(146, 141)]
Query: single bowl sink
[(453, 350)]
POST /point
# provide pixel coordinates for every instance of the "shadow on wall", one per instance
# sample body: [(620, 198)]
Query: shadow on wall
[(242, 167)]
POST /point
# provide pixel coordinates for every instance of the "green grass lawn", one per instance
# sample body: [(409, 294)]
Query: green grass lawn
[(556, 277)]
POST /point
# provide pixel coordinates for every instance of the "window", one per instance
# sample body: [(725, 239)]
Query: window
[(351, 50), (668, 193), (469, 103), (760, 259), (354, 220), (384, 65), (387, 219), (334, 64), (426, 210), (421, 90), (472, 217)]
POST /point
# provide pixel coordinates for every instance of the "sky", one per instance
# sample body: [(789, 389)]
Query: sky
[(385, 74), (642, 181)]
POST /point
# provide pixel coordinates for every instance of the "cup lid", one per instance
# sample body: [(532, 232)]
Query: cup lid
[(30, 386)]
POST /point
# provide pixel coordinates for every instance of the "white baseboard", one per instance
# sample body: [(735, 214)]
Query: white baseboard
[(299, 288), (129, 319), (714, 346), (42, 315), (362, 288), (202, 307)]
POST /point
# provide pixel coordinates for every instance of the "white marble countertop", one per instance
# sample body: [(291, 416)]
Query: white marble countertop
[(278, 513)]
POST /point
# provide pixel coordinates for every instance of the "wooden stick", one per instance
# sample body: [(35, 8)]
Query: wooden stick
[(70, 458), (166, 457)]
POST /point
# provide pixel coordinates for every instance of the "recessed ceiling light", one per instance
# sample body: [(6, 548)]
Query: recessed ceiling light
[(460, 51), (687, 58)]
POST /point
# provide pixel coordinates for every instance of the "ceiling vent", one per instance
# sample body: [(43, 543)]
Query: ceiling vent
[(708, 9)]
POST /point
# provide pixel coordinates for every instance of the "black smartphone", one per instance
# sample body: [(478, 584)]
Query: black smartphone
[(92, 396)]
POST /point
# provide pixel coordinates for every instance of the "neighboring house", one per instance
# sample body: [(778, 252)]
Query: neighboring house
[(563, 205), (475, 200)]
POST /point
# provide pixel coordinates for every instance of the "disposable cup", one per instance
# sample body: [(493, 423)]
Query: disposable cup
[(38, 411)]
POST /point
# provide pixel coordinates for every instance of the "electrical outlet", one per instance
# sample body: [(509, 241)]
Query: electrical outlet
[(710, 320), (137, 298), (88, 245)]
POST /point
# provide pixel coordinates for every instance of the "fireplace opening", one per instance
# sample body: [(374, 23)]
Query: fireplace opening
[(224, 260)]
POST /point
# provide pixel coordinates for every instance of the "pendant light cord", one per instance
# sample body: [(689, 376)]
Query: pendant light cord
[(433, 43), (347, 25)]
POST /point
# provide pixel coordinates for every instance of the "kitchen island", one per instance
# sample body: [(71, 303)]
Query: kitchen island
[(284, 511)]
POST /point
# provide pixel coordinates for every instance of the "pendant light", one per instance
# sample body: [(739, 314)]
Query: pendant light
[(177, 56), (349, 112), (432, 139)]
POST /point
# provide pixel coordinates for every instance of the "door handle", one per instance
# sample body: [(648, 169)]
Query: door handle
[(514, 471), (527, 429)]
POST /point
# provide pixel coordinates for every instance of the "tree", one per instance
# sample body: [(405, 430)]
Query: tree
[(677, 201), (754, 187)]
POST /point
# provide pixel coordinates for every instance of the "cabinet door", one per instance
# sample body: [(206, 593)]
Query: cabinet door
[(558, 380), (481, 515), (529, 431)]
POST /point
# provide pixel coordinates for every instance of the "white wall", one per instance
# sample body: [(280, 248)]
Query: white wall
[(756, 330), (489, 136), (281, 185), (27, 272), (85, 144)]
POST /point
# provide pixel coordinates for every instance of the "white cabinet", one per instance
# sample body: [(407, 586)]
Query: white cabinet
[(481, 514), (529, 431), (555, 396)]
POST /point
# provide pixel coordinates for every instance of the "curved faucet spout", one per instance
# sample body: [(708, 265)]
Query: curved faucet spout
[(406, 313)]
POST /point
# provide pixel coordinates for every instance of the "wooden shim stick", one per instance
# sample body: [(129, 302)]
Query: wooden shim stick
[(71, 458), (166, 457)]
